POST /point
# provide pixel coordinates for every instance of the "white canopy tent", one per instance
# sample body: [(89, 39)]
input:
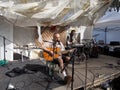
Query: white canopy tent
[(108, 27), (49, 12), (109, 19)]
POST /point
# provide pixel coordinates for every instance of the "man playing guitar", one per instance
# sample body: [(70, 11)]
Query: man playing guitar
[(53, 51)]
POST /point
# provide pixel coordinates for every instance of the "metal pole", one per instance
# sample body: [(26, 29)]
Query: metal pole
[(105, 35), (73, 59), (72, 72), (4, 45), (85, 74), (4, 48)]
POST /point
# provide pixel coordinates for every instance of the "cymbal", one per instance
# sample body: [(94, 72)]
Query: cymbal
[(77, 45)]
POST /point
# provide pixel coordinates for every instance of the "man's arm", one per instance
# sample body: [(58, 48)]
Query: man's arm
[(42, 46)]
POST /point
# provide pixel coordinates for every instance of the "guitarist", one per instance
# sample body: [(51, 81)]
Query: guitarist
[(61, 59)]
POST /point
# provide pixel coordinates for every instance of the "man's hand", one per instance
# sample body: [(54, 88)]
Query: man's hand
[(51, 53)]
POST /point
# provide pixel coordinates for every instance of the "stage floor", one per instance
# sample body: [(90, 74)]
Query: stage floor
[(35, 76)]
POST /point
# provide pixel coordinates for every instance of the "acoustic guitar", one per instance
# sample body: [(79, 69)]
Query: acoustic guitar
[(57, 52), (48, 56)]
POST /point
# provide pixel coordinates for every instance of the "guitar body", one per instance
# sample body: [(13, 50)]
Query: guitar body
[(49, 57)]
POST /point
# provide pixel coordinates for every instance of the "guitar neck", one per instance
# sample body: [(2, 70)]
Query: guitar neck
[(68, 51)]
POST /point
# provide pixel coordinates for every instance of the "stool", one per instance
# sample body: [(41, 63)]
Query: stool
[(51, 66)]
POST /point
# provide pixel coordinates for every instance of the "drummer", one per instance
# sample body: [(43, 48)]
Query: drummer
[(72, 42), (71, 39)]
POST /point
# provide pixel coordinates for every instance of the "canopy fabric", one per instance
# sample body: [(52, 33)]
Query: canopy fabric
[(50, 12), (110, 19)]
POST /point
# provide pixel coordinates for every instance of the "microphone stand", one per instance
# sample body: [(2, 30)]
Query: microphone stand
[(54, 45), (51, 72), (73, 59), (4, 48)]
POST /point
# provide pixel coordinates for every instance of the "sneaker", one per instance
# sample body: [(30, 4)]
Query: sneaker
[(67, 79)]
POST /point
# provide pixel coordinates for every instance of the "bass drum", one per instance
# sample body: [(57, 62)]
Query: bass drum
[(94, 51)]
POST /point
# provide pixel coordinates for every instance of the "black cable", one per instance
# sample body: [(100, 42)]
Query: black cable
[(84, 76), (8, 83), (79, 77), (93, 79), (17, 85), (38, 82)]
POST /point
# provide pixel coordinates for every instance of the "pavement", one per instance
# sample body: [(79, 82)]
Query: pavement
[(33, 74)]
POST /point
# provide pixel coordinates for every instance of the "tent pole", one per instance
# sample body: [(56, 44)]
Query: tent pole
[(105, 35)]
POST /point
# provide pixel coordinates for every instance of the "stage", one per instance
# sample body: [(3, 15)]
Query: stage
[(32, 74)]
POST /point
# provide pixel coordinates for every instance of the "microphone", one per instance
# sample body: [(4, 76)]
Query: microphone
[(47, 41), (54, 42), (58, 42)]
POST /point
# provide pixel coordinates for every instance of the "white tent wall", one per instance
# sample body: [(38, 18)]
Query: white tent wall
[(85, 32), (113, 36), (110, 36), (88, 32), (23, 35), (6, 30), (100, 35), (111, 21)]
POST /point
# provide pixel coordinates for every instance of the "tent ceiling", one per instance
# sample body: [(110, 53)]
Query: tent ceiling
[(50, 12)]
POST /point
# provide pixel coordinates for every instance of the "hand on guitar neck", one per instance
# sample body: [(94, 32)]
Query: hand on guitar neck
[(50, 53), (67, 51)]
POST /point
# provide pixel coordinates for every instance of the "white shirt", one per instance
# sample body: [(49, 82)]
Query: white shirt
[(51, 43)]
